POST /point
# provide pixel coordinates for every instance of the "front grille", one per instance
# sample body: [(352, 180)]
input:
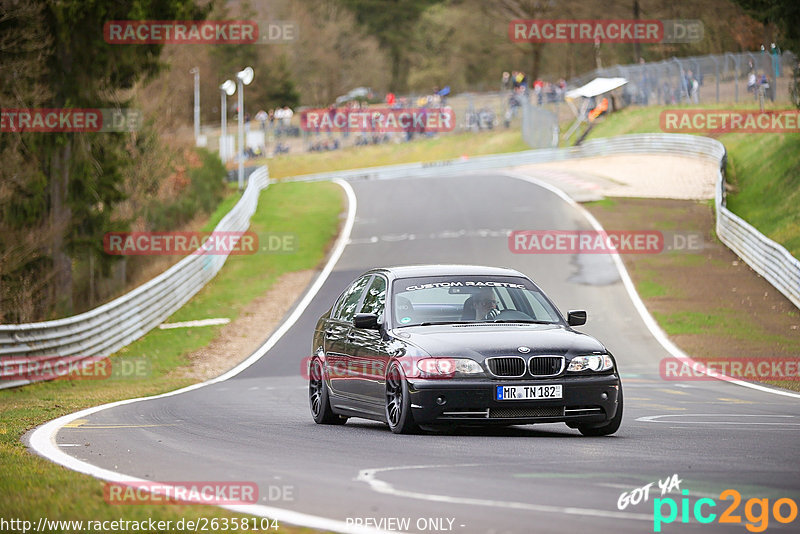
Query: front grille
[(519, 413), (511, 366), (546, 365)]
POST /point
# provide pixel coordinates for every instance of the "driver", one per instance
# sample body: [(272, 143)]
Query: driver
[(485, 305)]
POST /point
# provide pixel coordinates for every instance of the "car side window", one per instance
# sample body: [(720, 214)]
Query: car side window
[(375, 298), (346, 308)]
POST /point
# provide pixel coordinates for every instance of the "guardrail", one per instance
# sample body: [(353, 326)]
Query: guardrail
[(107, 328), (766, 257)]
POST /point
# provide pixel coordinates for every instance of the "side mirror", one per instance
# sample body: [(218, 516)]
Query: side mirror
[(366, 320), (576, 317)]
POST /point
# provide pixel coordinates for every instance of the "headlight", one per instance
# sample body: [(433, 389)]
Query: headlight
[(447, 367), (591, 362)]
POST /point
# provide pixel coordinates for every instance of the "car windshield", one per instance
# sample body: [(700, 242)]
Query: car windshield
[(469, 299)]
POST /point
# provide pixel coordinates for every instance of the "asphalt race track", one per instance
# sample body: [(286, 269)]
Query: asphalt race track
[(257, 427)]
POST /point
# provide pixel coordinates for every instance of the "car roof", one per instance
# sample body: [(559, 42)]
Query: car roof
[(418, 271)]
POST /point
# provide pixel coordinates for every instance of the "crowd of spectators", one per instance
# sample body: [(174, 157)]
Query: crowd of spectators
[(277, 120), (518, 87), (543, 91)]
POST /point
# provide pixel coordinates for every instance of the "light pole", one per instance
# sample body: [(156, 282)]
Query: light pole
[(243, 77), (196, 73), (225, 90)]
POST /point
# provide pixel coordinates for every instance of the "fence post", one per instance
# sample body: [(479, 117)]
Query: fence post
[(680, 79), (716, 74)]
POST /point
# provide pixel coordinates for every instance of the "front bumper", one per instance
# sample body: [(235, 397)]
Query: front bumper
[(586, 400)]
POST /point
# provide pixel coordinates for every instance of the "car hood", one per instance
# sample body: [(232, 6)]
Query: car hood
[(483, 341)]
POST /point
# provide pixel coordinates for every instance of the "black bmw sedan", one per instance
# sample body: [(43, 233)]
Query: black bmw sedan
[(450, 345)]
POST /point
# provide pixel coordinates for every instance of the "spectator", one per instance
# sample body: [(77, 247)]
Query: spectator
[(550, 91), (684, 86), (513, 107), (443, 93), (515, 79), (523, 80), (666, 93), (767, 87), (520, 80), (505, 82), (287, 116), (751, 81), (435, 99), (775, 52), (262, 117), (599, 109), (644, 83), (278, 116), (332, 111), (538, 86), (693, 87)]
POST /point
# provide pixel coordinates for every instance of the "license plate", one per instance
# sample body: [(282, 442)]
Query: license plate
[(528, 392)]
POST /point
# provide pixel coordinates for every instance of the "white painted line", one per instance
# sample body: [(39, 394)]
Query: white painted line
[(381, 486), (43, 439), (651, 323), (725, 423), (657, 419), (192, 324), (70, 445)]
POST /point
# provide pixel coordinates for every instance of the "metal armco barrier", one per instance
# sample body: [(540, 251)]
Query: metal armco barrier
[(107, 328), (766, 257)]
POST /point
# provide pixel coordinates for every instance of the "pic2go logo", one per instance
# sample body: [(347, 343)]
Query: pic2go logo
[(758, 522)]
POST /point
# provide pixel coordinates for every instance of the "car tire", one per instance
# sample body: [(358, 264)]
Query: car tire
[(398, 403), (319, 398), (608, 428)]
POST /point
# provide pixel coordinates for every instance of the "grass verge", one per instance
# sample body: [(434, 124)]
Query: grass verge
[(32, 487)]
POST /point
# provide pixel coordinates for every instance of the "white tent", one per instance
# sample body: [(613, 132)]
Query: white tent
[(596, 87)]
